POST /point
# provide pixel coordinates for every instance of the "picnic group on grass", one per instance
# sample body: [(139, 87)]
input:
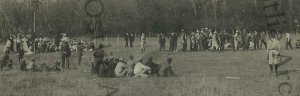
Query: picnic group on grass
[(106, 65), (102, 64)]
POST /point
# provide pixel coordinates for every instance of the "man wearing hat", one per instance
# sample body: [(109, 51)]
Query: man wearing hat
[(65, 54), (98, 59)]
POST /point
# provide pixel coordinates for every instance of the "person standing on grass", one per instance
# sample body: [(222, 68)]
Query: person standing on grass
[(237, 40), (172, 41), (197, 41), (131, 39), (21, 53), (288, 41), (65, 55), (98, 60), (273, 50), (214, 42), (127, 36), (143, 42), (183, 40), (263, 40), (256, 38), (80, 52), (162, 41)]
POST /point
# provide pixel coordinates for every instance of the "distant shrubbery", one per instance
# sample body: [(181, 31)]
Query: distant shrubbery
[(155, 16)]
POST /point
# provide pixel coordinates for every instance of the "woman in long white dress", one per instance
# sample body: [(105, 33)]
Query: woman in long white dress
[(25, 46)]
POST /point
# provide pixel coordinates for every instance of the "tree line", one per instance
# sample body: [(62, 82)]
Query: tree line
[(155, 16)]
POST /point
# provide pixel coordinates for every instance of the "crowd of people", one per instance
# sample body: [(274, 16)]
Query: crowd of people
[(109, 66), (40, 44), (101, 64), (210, 39)]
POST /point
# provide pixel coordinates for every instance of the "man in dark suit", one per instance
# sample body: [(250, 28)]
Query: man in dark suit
[(65, 54), (99, 64), (256, 38), (127, 36), (131, 39), (162, 41)]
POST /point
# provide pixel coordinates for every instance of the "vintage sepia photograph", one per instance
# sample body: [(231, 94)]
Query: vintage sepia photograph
[(149, 48)]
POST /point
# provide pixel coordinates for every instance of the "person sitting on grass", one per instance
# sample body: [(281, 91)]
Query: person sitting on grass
[(10, 65), (112, 63), (31, 66), (154, 67), (298, 44), (56, 66), (120, 69), (4, 60), (141, 70), (130, 66), (165, 69), (23, 65)]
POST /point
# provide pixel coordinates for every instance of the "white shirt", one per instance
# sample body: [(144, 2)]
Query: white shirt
[(288, 36), (139, 67), (30, 65), (8, 43), (119, 67)]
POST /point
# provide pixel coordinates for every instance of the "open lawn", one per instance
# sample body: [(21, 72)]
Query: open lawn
[(228, 73)]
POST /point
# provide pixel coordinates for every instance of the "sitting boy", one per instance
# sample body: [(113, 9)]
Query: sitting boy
[(165, 69), (120, 69)]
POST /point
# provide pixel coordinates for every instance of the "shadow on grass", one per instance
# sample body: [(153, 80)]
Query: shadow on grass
[(109, 93)]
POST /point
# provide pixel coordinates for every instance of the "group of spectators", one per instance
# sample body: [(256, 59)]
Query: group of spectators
[(39, 44), (102, 65), (210, 39), (109, 66)]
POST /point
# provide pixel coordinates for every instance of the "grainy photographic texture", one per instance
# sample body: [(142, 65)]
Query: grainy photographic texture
[(149, 48)]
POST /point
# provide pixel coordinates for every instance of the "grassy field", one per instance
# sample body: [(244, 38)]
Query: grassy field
[(199, 74)]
